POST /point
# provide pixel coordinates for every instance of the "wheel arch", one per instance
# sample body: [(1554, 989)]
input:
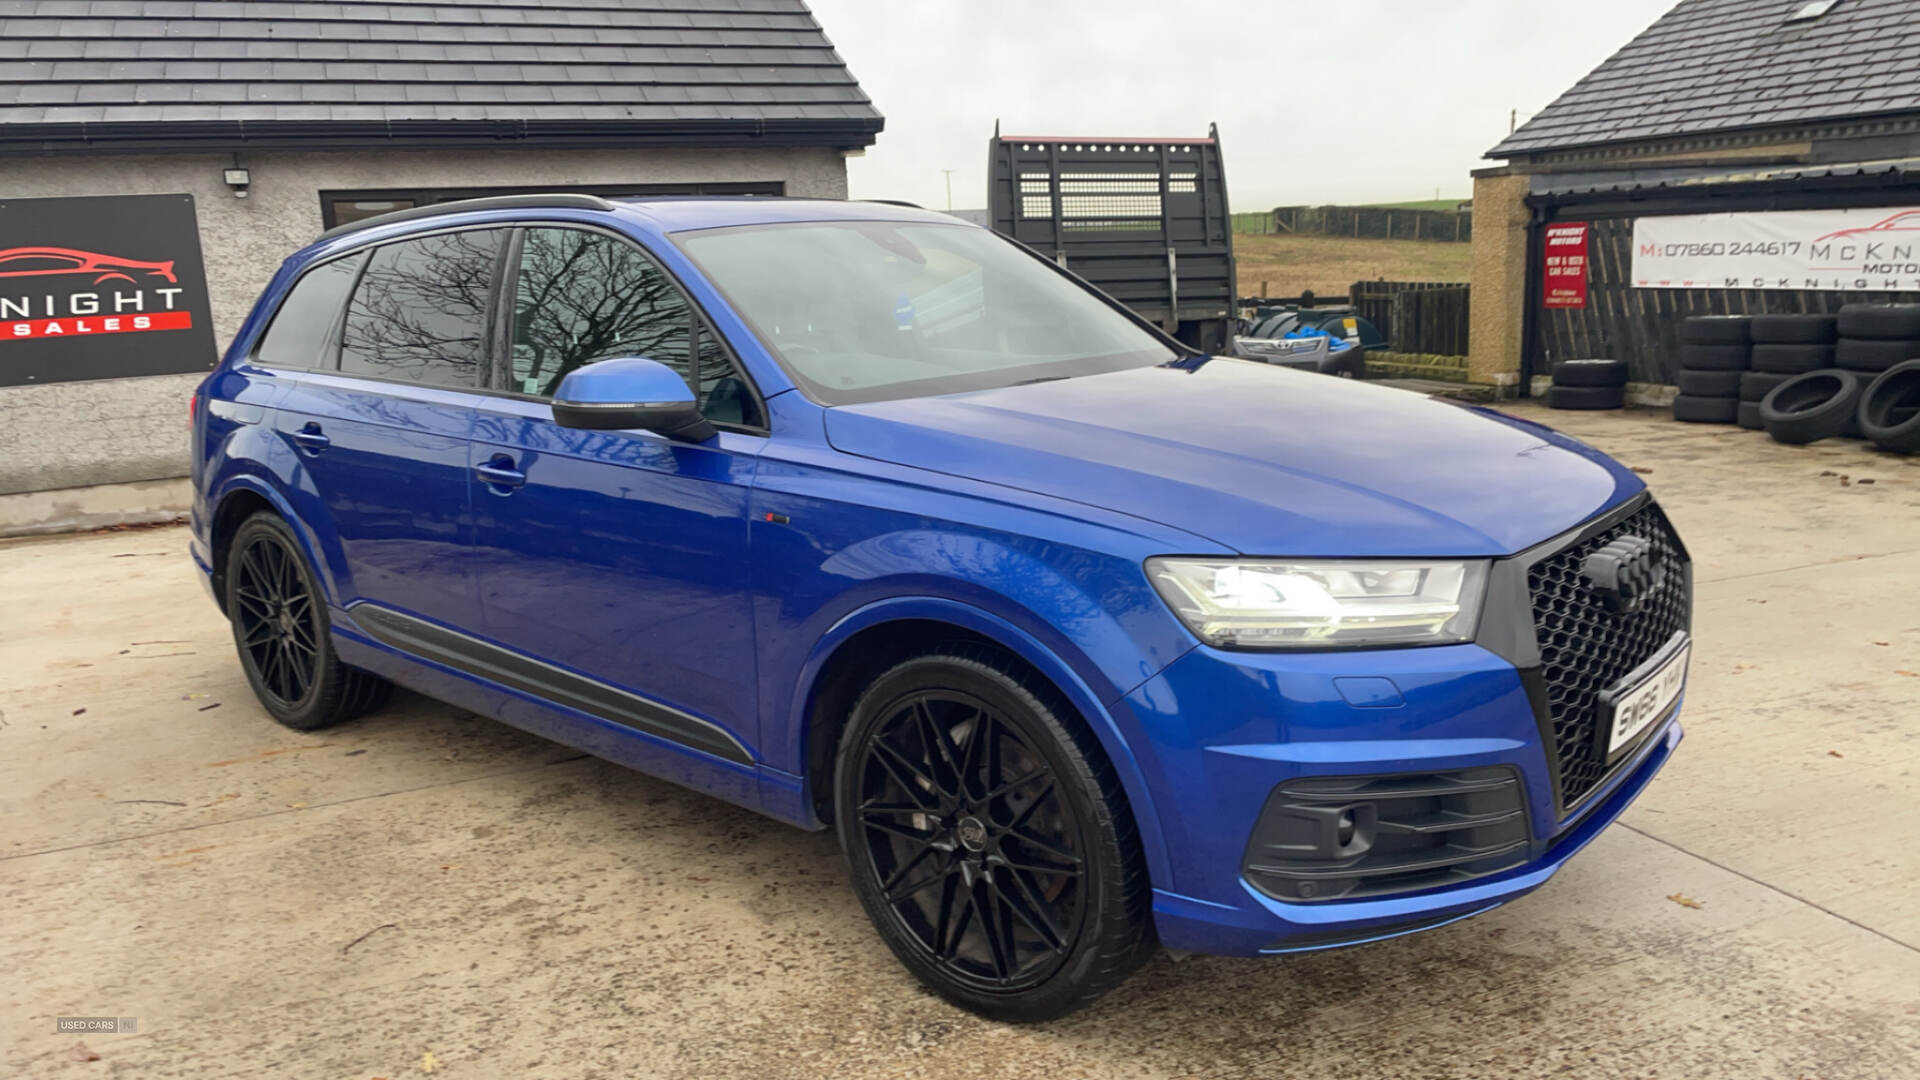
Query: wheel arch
[(243, 497), (871, 639)]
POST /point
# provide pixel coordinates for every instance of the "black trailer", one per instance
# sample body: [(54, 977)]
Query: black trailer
[(1144, 220)]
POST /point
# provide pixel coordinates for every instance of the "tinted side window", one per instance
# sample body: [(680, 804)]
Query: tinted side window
[(420, 312), (301, 334), (583, 297)]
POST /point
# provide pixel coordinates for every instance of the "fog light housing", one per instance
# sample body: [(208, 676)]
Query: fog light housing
[(1343, 837)]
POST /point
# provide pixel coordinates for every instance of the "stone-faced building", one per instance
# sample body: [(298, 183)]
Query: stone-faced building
[(263, 123), (1737, 156)]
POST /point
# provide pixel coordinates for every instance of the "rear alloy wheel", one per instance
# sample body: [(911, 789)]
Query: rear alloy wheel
[(988, 841), (280, 629)]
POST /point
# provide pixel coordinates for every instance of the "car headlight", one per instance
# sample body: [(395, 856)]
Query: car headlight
[(1323, 604)]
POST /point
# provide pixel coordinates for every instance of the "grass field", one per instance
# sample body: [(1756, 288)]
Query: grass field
[(1330, 264), (1421, 204)]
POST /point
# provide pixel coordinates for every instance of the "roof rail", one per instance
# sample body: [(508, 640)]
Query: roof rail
[(894, 202), (557, 200)]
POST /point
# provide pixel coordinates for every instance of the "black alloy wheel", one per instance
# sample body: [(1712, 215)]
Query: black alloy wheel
[(274, 620), (978, 855), (988, 841), (280, 629)]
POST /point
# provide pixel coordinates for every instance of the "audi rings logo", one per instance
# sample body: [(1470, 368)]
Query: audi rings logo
[(1625, 572)]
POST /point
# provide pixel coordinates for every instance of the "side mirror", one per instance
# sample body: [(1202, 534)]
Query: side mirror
[(634, 392)]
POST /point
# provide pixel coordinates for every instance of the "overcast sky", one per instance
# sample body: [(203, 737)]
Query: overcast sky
[(1352, 101)]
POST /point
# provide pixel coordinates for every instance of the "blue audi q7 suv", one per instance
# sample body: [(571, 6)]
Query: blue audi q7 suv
[(870, 519)]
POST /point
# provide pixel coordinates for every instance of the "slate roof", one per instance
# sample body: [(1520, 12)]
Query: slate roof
[(1710, 66), (179, 73)]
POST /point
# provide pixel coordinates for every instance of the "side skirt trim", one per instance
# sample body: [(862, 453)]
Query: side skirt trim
[(509, 668)]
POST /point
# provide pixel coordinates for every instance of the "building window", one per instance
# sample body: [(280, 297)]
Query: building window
[(348, 211), (346, 207)]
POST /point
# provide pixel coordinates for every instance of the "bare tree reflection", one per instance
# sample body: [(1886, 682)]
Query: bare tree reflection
[(420, 310), (583, 297)]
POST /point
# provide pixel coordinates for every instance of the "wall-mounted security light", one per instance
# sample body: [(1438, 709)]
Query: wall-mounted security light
[(237, 179)]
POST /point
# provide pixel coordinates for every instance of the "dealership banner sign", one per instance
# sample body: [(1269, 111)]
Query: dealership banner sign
[(102, 288), (1873, 249), (1565, 271)]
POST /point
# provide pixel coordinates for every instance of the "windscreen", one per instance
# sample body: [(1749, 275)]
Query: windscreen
[(873, 310)]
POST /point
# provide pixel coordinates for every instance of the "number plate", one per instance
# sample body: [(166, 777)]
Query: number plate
[(1644, 696)]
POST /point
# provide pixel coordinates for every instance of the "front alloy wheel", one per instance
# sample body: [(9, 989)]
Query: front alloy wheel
[(988, 839)]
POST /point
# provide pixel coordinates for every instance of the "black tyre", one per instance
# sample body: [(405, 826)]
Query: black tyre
[(1817, 405), (1881, 322), (1868, 354), (1710, 383), (1791, 359), (1890, 408), (1706, 410), (280, 628), (1749, 416), (1346, 364), (989, 840), (1714, 357), (1590, 373), (1586, 397), (1715, 330), (1755, 385), (1794, 329)]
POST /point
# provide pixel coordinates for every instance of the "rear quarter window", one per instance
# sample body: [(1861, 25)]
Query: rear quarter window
[(302, 332)]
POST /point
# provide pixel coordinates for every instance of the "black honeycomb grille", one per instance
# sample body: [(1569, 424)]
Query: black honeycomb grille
[(1585, 646)]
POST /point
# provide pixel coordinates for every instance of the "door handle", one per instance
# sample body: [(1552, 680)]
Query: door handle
[(310, 438), (499, 472)]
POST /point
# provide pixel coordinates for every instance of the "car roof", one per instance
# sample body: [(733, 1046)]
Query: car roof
[(682, 213), (656, 213)]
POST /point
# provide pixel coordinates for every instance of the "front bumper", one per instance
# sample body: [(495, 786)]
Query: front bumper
[(1228, 728)]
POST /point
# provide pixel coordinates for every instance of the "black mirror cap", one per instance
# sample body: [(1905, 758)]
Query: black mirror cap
[(678, 420)]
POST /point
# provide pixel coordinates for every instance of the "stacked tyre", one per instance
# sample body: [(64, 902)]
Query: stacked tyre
[(1783, 346), (1588, 384), (1817, 405), (1890, 408), (1868, 392), (1875, 337), (1714, 353), (1836, 401)]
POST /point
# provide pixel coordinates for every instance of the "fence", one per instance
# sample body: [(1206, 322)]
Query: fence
[(1365, 222), (1416, 316)]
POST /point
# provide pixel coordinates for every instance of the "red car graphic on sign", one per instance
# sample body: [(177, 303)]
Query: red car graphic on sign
[(1904, 221), (33, 261)]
